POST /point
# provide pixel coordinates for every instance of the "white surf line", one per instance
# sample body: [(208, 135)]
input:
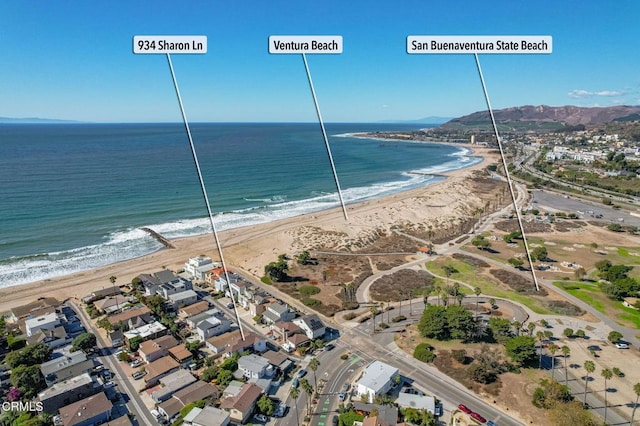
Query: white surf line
[(204, 192), (506, 171), (324, 135)]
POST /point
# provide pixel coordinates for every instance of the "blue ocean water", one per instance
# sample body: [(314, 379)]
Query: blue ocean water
[(74, 196)]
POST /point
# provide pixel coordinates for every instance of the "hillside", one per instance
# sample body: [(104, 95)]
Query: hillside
[(543, 117)]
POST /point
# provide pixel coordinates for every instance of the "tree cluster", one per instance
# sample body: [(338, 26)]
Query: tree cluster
[(618, 284), (444, 323), (30, 355)]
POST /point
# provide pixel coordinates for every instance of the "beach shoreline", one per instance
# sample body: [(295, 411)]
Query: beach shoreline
[(250, 247)]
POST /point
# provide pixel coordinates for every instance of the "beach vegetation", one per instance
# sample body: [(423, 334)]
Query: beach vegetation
[(304, 258), (14, 343), (444, 323), (311, 302), (481, 242), (277, 271), (104, 324), (424, 352), (92, 311), (550, 393), (614, 336), (521, 349), (308, 290), (266, 280), (487, 365), (515, 262)]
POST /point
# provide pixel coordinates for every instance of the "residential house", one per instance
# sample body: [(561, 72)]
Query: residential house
[(145, 332), (258, 305), (278, 360), (101, 294), (65, 367), (193, 321), (43, 322), (151, 350), (55, 338), (290, 335), (631, 302), (68, 391), (386, 414), (377, 380), (311, 325), (116, 337), (217, 278), (255, 367), (181, 354), (177, 285), (93, 410), (160, 368), (207, 416), (183, 298), (277, 312), (199, 390), (111, 304), (197, 267), (171, 384), (25, 311), (132, 317), (419, 402), (212, 326), (252, 342), (193, 309), (219, 344), (241, 406)]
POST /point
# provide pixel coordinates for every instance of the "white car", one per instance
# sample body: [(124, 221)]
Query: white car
[(621, 345), (261, 418)]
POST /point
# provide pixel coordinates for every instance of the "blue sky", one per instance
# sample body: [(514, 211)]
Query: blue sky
[(73, 60)]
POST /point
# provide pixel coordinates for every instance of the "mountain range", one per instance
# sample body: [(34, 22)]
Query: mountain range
[(540, 117)]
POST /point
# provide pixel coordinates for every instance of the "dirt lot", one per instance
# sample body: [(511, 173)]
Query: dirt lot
[(399, 285)]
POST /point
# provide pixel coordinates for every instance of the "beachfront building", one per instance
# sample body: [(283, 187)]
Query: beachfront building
[(207, 416), (43, 322), (198, 266), (34, 309), (55, 338), (132, 317), (101, 294), (111, 304), (377, 380), (183, 298), (311, 325), (93, 410)]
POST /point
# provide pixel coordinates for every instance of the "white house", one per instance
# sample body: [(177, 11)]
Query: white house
[(183, 298), (276, 312), (311, 325), (198, 266), (212, 326), (255, 367), (377, 380), (43, 322)]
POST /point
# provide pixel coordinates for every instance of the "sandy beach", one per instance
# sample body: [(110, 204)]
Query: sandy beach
[(252, 247)]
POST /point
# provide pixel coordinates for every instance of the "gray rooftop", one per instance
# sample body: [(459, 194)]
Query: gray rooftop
[(254, 363)]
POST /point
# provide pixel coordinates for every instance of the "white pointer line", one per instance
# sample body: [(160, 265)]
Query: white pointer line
[(204, 190), (506, 171), (324, 135)]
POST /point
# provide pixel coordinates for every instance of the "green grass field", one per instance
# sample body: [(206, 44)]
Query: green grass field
[(469, 275), (590, 293)]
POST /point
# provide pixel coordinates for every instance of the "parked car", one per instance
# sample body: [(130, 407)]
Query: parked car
[(261, 418), (301, 373), (342, 396), (329, 347), (139, 375), (464, 409), (281, 410), (294, 382), (137, 363), (491, 423), (478, 417), (622, 345)]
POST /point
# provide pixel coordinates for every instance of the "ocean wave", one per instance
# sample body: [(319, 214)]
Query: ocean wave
[(134, 242)]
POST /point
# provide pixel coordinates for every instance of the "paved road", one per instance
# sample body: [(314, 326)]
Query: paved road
[(135, 404)]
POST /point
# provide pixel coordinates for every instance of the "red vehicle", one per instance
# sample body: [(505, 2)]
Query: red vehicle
[(478, 417), (464, 409)]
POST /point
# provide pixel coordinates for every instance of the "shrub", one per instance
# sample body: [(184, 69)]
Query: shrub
[(460, 355), (311, 302), (398, 318), (424, 352), (344, 356), (350, 316), (614, 336), (383, 325), (308, 290), (581, 334)]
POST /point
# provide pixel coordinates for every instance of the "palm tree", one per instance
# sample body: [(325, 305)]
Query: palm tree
[(590, 367), (565, 351), (517, 325), (607, 374), (477, 292), (553, 348), (636, 389), (313, 366), (295, 393), (460, 298), (540, 336), (306, 386), (531, 326), (374, 312)]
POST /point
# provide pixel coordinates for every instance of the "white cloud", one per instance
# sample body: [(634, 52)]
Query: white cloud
[(579, 93)]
